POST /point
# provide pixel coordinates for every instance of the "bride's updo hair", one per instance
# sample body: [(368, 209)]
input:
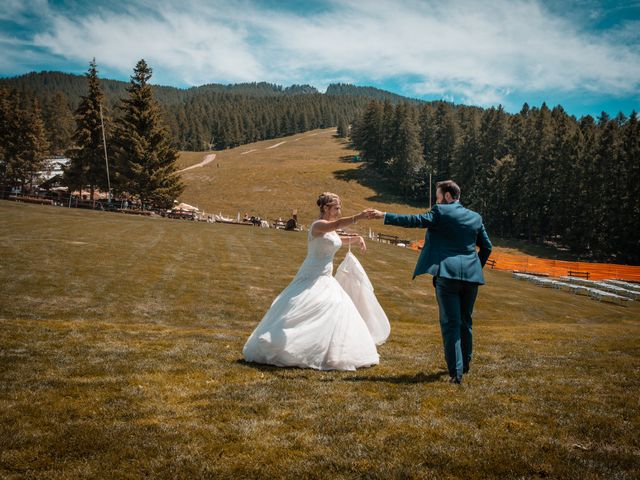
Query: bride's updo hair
[(326, 199)]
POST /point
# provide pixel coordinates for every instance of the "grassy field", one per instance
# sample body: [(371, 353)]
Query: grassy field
[(120, 357)]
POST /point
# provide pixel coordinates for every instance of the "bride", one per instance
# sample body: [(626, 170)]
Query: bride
[(314, 323)]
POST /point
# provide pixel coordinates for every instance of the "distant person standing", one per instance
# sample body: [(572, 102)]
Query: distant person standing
[(450, 255)]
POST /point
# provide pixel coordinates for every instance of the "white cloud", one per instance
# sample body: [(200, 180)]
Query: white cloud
[(192, 48), (476, 53), (19, 11)]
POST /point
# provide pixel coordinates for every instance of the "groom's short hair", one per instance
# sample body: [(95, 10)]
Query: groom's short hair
[(451, 187)]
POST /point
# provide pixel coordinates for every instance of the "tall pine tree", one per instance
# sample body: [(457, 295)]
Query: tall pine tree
[(88, 166), (34, 144), (6, 128), (144, 153), (629, 190), (408, 162), (59, 122)]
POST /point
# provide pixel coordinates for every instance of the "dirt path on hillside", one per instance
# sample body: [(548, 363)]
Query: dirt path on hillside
[(274, 146), (208, 159)]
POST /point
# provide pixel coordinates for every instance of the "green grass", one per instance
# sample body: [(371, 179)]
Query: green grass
[(120, 357)]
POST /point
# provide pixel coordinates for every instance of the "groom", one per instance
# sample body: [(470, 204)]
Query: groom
[(449, 254)]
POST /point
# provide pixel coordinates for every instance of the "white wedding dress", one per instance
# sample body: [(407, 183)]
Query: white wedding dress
[(314, 323), (352, 277)]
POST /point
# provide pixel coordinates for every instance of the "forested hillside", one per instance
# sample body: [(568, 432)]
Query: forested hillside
[(541, 174), (205, 117)]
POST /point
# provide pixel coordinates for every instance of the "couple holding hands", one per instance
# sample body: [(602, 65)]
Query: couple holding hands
[(334, 323)]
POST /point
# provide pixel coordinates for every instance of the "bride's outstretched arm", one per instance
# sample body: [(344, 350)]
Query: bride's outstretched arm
[(349, 239), (325, 226)]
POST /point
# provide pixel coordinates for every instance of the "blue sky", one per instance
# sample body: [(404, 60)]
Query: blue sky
[(582, 54)]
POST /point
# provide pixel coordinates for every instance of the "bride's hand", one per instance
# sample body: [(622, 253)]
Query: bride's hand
[(362, 245), (363, 215)]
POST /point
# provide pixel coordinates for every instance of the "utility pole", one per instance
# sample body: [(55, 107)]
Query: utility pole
[(106, 160)]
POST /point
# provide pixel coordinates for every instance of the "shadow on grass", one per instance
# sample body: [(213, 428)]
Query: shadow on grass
[(397, 379), (401, 379), (263, 367), (367, 177)]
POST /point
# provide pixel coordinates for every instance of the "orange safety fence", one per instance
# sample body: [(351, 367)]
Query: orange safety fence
[(558, 268)]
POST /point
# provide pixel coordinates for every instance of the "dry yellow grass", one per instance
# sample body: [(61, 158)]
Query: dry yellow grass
[(271, 182), (187, 159), (120, 357)]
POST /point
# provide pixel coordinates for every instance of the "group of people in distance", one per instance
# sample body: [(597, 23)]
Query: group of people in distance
[(290, 224), (314, 322)]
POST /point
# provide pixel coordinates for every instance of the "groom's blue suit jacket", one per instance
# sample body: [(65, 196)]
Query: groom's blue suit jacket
[(453, 232)]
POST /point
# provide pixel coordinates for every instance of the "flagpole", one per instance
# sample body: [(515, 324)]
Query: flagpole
[(106, 161)]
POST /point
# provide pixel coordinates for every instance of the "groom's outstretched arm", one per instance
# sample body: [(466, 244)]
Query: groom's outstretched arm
[(422, 220)]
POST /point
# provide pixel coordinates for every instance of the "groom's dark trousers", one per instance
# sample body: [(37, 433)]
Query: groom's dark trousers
[(450, 255), (455, 303)]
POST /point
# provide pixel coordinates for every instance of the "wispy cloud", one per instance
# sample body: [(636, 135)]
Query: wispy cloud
[(474, 52), (195, 49), (20, 11)]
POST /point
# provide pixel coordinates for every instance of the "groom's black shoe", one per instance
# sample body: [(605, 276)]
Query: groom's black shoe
[(456, 380)]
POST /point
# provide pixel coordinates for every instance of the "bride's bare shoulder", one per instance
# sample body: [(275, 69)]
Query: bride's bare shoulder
[(317, 232)]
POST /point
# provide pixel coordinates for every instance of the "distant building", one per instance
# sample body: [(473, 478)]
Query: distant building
[(53, 167)]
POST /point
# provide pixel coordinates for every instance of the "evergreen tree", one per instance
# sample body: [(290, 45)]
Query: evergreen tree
[(59, 123), (145, 156), (88, 166), (629, 191), (540, 192), (368, 133), (587, 198), (491, 147), (6, 128), (561, 187), (463, 168), (23, 143), (444, 142), (387, 140), (34, 144), (343, 128), (606, 183), (503, 188), (407, 164)]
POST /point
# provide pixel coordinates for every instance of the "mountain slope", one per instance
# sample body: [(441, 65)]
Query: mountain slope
[(274, 177)]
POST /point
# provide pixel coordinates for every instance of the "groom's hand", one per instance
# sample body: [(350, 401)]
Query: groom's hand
[(373, 213)]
